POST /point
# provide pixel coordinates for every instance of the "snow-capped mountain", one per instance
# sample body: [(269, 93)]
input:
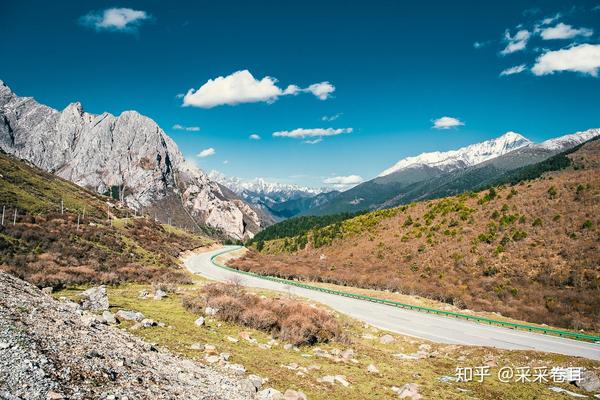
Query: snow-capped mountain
[(463, 157), (568, 141), (480, 152), (128, 153), (259, 190)]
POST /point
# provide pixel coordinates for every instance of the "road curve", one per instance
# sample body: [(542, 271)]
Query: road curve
[(407, 322)]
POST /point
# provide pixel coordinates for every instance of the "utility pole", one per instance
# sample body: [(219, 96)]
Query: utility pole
[(3, 209)]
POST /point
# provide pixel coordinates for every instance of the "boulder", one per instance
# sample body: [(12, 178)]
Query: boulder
[(200, 321), (269, 394), (387, 339), (347, 354), (256, 380), (589, 381), (212, 359), (130, 315), (147, 323), (294, 395), (94, 299), (197, 346), (143, 294)]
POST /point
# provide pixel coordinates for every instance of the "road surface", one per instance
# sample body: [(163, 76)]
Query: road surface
[(407, 322)]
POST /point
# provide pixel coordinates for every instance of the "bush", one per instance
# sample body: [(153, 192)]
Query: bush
[(286, 319)]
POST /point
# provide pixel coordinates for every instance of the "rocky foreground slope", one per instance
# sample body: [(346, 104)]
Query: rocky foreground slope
[(54, 350), (128, 155)]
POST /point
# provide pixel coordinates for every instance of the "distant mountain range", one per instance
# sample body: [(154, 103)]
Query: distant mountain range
[(128, 157), (439, 174), (279, 200)]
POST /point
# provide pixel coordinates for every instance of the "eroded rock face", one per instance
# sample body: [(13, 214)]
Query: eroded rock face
[(51, 347), (128, 154)]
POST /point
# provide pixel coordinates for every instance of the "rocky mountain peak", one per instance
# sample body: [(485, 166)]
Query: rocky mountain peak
[(127, 155)]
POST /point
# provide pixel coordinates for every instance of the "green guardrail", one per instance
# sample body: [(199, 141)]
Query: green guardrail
[(482, 320)]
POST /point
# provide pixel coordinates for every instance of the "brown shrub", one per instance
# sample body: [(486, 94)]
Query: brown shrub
[(286, 319)]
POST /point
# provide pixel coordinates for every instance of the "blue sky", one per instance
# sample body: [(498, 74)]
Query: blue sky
[(385, 70)]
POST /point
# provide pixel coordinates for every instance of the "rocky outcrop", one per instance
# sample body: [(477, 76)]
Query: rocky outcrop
[(128, 155), (54, 350)]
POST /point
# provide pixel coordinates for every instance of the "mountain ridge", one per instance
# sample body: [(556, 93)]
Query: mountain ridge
[(128, 154)]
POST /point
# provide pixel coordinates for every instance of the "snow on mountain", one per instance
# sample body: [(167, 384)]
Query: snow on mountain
[(465, 156), (259, 190), (567, 141)]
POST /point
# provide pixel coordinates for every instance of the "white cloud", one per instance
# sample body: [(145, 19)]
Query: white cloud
[(302, 133), (479, 45), (207, 152), (254, 136), (584, 58), (242, 87), (343, 182), (564, 31), (549, 20), (329, 118), (322, 90), (225, 161), (314, 141), (515, 42), (517, 69), (446, 123), (115, 19), (179, 127)]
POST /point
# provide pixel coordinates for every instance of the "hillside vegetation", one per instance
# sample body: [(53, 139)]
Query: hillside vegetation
[(529, 251), (61, 234)]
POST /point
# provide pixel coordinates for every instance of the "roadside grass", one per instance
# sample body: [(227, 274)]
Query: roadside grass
[(180, 333)]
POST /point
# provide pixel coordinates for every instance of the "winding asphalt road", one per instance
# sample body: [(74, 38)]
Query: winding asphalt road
[(406, 322)]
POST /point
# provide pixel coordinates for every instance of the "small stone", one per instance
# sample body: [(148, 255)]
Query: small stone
[(210, 311), (589, 381), (269, 394), (4, 345), (200, 321), (147, 322), (94, 299), (368, 336), (129, 315), (288, 346), (197, 346), (232, 339), (225, 356), (410, 391), (371, 368), (256, 380), (212, 359), (159, 294), (294, 395), (47, 290), (387, 339), (347, 354), (143, 294), (54, 396), (237, 368), (342, 380), (109, 317), (327, 379)]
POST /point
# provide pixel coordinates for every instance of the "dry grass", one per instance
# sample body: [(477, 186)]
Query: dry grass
[(286, 319)]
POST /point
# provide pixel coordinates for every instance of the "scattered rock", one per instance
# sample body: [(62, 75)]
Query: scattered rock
[(47, 290), (143, 294), (387, 339), (54, 396), (294, 395), (4, 345), (288, 346), (368, 336), (447, 378), (342, 380), (269, 394), (212, 359), (403, 356), (210, 311), (94, 299), (589, 381), (129, 315), (231, 339), (410, 391), (147, 323), (109, 317), (197, 346), (236, 368), (159, 294), (371, 368), (347, 354), (200, 321), (332, 379), (245, 335), (225, 356), (327, 379), (256, 380)]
